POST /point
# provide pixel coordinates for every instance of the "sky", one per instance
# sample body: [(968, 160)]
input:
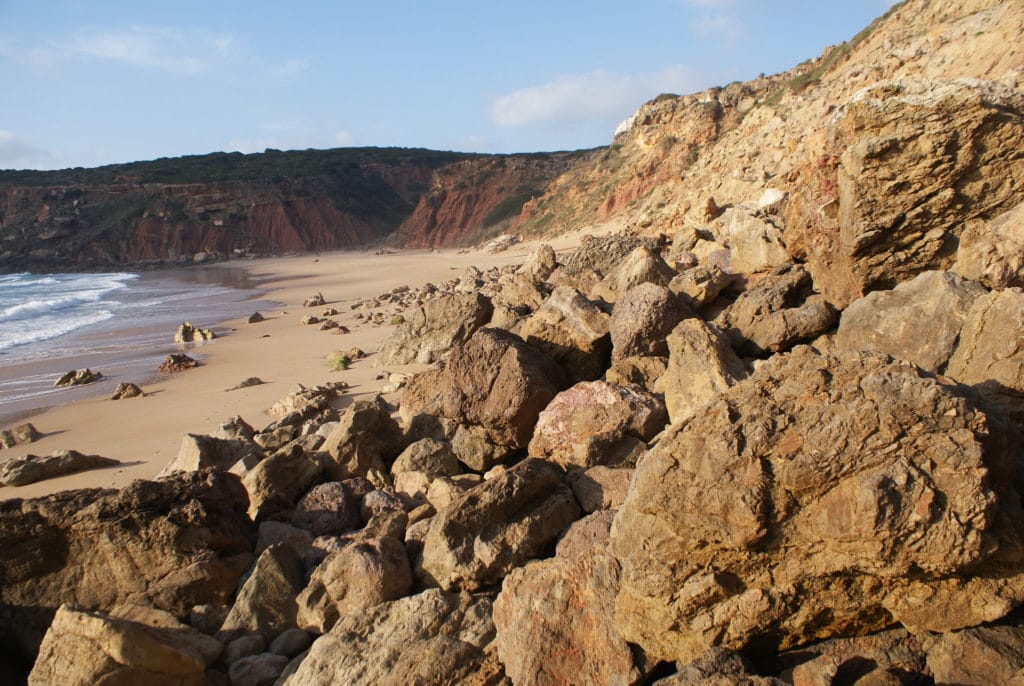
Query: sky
[(91, 82)]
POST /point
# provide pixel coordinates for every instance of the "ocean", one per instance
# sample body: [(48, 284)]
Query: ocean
[(119, 324)]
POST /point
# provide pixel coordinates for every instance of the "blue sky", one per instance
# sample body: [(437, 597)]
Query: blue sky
[(95, 82)]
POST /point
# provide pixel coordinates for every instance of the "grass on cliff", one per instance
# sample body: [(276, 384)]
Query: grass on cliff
[(511, 206)]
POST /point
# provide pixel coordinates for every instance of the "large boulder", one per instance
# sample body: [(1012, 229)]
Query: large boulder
[(492, 528), (595, 422), (980, 655), (816, 498), (430, 638), (778, 311), (199, 452), (918, 321), (573, 331), (641, 320), (700, 285), (31, 468), (266, 602), (494, 381), (435, 328), (87, 648), (363, 442), (19, 435), (330, 509), (755, 244), (909, 165), (286, 474), (701, 365), (993, 253), (989, 355), (173, 544), (643, 265)]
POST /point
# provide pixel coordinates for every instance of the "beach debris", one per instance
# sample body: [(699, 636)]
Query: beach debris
[(308, 320), (251, 381), (256, 318), (177, 362), (78, 377), (32, 468), (19, 435), (189, 334), (314, 301), (126, 390)]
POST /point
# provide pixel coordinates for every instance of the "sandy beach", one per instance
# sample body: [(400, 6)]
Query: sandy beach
[(145, 433)]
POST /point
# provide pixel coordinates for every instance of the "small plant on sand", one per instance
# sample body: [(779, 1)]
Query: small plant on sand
[(397, 319), (339, 361)]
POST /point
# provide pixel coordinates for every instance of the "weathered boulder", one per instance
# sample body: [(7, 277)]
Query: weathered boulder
[(427, 455), (19, 435), (643, 265), (918, 321), (645, 372), (187, 333), (600, 488), (287, 474), (291, 643), (78, 377), (199, 452), (874, 659), (755, 244), (184, 635), (816, 498), (364, 441), (87, 648), (777, 312), (981, 655), (435, 328), (494, 381), (603, 253), (540, 263), (31, 468), (909, 164), (496, 526), (304, 401), (701, 365), (329, 509), (316, 300), (126, 390), (257, 670), (641, 320), (719, 667), (595, 422), (573, 331), (358, 576), (177, 362), (700, 285), (992, 253), (266, 602), (173, 544), (473, 448), (989, 354), (430, 638)]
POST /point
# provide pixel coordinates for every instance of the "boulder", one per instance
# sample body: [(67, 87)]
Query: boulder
[(989, 355), (909, 165), (255, 318), (187, 333), (981, 655), (720, 667), (473, 449), (78, 377), (31, 468), (243, 647), (918, 321), (816, 498), (356, 577), (519, 295), (329, 509), (600, 488), (755, 244), (496, 526), (257, 670), (643, 265), (176, 362), (777, 312), (645, 372), (291, 642), (247, 383), (309, 320), (266, 602), (573, 331), (700, 285), (19, 435), (430, 638), (494, 381), (540, 263), (126, 390), (199, 452), (875, 659), (701, 365), (641, 320), (314, 301), (586, 536), (435, 328), (595, 422), (287, 474), (172, 544), (430, 456), (363, 443), (992, 253), (237, 429), (303, 402), (86, 648)]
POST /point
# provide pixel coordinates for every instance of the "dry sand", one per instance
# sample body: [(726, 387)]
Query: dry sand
[(145, 433)]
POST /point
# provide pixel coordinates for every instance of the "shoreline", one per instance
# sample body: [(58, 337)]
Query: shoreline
[(145, 433)]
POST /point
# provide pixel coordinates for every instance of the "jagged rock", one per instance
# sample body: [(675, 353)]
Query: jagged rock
[(777, 312), (918, 321), (314, 301), (600, 488), (199, 452), (435, 328), (257, 670), (917, 161), (255, 318), (603, 253), (540, 264), (993, 253), (271, 533), (519, 295), (31, 468), (237, 429), (819, 497), (126, 390), (641, 320), (700, 285), (718, 667), (304, 401), (989, 355), (555, 624), (19, 435), (571, 330), (645, 372), (874, 659), (643, 265), (172, 544), (266, 602), (87, 648), (473, 449), (428, 455), (187, 333), (755, 245), (443, 490), (358, 576), (982, 655), (586, 536), (496, 526), (287, 474), (176, 362), (377, 503), (329, 509), (291, 642), (595, 422), (364, 441), (701, 365), (79, 377), (207, 646), (495, 381)]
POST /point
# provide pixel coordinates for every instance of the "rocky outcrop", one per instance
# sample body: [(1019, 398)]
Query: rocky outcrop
[(435, 328), (21, 434), (187, 333), (32, 468), (177, 362), (126, 390), (868, 502)]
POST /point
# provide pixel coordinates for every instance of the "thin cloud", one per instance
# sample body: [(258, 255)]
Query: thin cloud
[(724, 27), (597, 95), (19, 152)]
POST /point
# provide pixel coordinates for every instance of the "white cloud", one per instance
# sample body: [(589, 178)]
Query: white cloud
[(17, 152), (724, 27), (596, 95)]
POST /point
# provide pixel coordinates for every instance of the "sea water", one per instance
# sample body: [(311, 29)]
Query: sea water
[(119, 324)]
